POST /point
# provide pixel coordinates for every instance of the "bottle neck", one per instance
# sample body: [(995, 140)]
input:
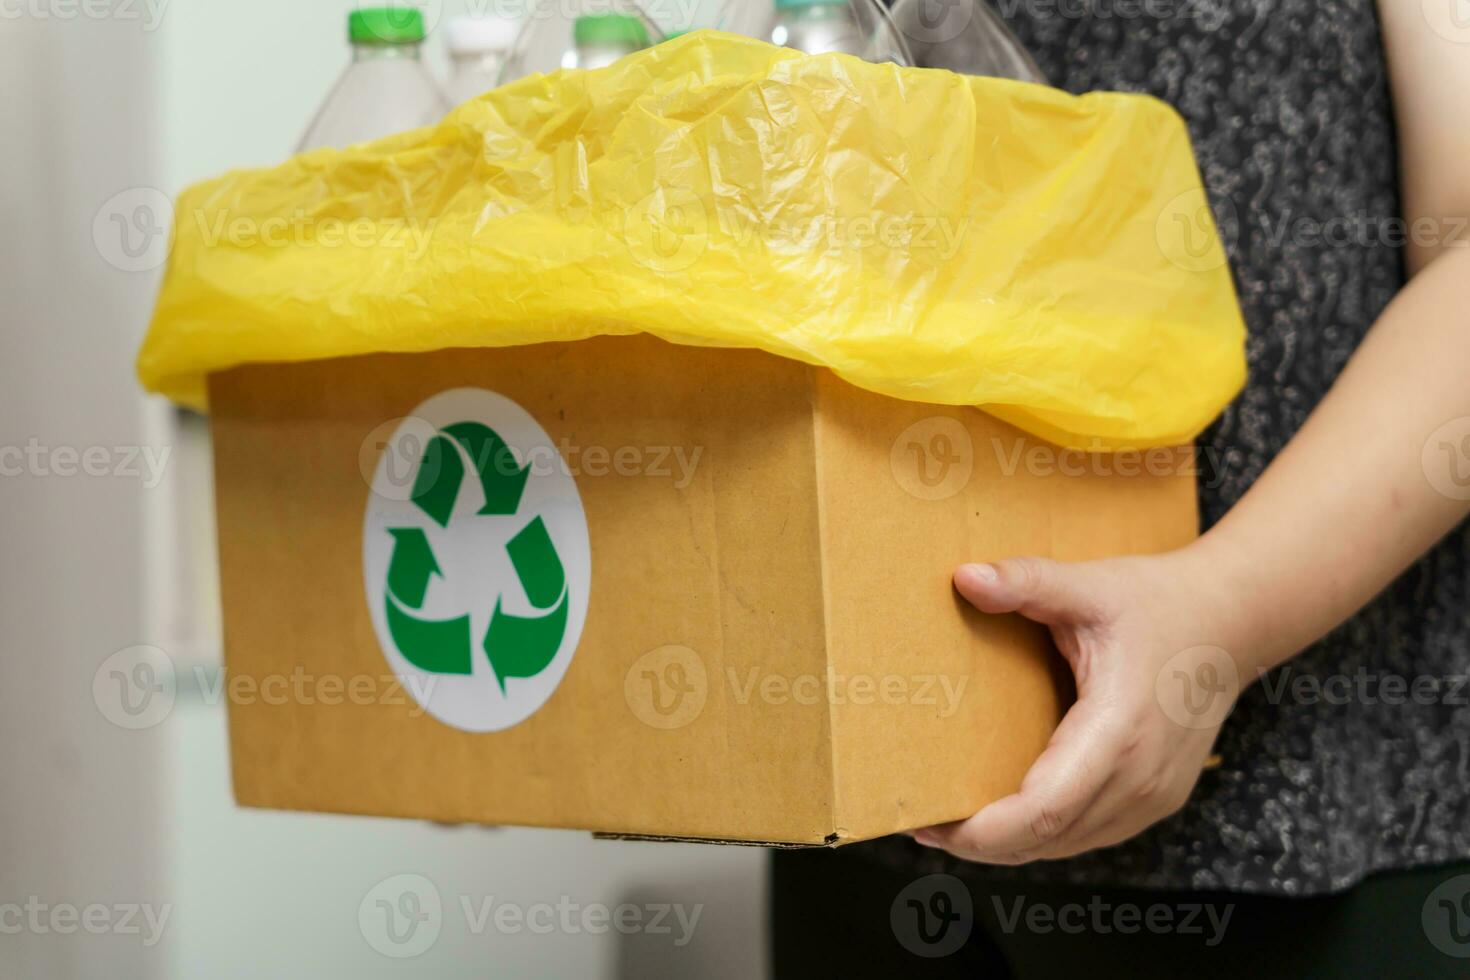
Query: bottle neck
[(602, 55), (815, 12), (385, 52), (482, 62)]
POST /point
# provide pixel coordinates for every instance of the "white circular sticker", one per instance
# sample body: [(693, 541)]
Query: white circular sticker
[(475, 559)]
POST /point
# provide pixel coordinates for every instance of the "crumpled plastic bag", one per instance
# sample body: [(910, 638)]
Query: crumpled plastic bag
[(929, 236)]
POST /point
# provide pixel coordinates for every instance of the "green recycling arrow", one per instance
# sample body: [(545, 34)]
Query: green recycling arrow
[(412, 565), (437, 483), (500, 477), (522, 646), (438, 645), (441, 473)]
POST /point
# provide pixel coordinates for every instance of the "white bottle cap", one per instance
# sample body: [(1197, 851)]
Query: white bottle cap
[(481, 35)]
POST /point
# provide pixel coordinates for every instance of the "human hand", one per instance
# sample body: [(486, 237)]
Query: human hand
[(1129, 751)]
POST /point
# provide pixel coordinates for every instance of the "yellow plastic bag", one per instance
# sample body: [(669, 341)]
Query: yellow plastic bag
[(925, 235)]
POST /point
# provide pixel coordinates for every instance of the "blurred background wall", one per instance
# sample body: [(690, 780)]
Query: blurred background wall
[(113, 106)]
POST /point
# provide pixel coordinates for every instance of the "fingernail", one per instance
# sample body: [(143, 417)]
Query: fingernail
[(924, 837), (985, 573)]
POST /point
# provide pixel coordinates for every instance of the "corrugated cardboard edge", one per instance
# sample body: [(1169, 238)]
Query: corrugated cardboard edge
[(821, 504), (833, 840)]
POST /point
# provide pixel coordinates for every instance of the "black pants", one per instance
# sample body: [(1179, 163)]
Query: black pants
[(840, 915)]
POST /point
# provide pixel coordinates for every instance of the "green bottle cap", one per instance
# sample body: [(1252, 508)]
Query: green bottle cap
[(385, 25), (804, 4), (622, 29)]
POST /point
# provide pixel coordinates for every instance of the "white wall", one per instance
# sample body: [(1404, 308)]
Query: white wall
[(81, 814), (265, 893)]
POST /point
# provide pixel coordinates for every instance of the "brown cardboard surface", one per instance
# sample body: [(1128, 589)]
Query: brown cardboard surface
[(797, 556), (892, 616)]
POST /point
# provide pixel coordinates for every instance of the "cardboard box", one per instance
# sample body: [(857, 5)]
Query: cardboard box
[(765, 648)]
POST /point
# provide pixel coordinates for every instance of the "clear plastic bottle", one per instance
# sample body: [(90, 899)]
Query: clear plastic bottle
[(600, 39), (478, 47), (385, 89), (817, 27), (579, 34), (964, 36), (855, 27)]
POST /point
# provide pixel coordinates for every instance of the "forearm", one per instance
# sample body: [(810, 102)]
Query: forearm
[(1348, 504)]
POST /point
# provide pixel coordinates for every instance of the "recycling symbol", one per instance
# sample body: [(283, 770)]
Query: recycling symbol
[(517, 646), (487, 645)]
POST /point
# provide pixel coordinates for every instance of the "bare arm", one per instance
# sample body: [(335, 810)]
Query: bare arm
[(1361, 491), (1429, 75), (1365, 487)]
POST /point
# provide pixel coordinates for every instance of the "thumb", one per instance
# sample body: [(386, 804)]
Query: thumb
[(1038, 588)]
